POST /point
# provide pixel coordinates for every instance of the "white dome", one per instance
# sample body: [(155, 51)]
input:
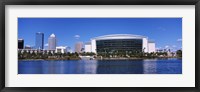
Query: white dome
[(52, 35), (119, 36)]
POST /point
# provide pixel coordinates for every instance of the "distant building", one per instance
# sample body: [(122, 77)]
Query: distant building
[(61, 49), (88, 47), (36, 51), (79, 47), (120, 43), (52, 42), (69, 49), (27, 47), (39, 41), (20, 44), (151, 46), (159, 50)]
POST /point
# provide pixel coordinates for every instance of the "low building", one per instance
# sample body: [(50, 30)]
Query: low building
[(151, 46), (120, 43), (88, 47), (36, 51), (61, 49), (27, 47)]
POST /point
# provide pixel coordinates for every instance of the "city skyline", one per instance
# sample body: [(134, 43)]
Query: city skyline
[(68, 31)]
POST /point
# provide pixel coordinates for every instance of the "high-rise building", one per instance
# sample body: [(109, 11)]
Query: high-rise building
[(79, 47), (20, 43), (39, 42), (52, 42)]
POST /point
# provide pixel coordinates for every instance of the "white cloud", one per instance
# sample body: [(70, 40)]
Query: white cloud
[(46, 44), (77, 36), (179, 40)]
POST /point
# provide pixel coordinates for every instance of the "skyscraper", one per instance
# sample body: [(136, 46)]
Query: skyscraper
[(20, 43), (79, 47), (39, 41), (52, 42)]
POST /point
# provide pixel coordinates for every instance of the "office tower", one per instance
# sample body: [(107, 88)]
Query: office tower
[(20, 44), (52, 42), (39, 42), (79, 47)]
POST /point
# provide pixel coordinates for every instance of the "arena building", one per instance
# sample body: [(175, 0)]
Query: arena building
[(120, 43)]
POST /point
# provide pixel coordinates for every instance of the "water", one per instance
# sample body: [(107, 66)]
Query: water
[(153, 66)]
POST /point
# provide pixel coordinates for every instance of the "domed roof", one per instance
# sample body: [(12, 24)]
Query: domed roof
[(119, 36), (52, 35)]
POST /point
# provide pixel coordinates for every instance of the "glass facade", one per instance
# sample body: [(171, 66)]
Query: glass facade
[(20, 44), (39, 42), (119, 45)]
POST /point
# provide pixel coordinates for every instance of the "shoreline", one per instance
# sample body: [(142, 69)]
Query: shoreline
[(139, 58), (100, 59), (46, 59)]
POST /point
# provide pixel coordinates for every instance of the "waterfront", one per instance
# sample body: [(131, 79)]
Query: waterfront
[(146, 66)]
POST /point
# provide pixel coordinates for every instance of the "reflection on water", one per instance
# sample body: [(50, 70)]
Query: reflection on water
[(151, 66)]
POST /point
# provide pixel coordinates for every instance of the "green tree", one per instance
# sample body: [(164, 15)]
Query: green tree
[(179, 53)]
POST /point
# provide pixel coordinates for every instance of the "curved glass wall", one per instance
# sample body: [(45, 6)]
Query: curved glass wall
[(119, 45)]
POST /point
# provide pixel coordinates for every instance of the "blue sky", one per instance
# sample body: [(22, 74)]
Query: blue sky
[(166, 32)]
